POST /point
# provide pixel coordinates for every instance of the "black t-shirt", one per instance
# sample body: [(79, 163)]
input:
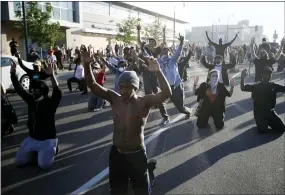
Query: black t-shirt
[(259, 66), (264, 95), (220, 49), (219, 103), (13, 45)]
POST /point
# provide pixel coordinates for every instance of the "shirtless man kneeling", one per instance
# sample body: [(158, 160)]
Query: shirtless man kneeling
[(128, 158)]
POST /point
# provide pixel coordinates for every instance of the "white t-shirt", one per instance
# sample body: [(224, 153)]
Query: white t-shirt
[(219, 68), (52, 58), (79, 72)]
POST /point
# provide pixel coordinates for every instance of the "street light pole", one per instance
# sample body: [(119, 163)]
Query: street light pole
[(25, 28)]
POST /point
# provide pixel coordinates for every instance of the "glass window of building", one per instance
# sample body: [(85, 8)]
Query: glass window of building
[(64, 14), (17, 6), (99, 8), (133, 13), (56, 13), (64, 4), (119, 12), (55, 3)]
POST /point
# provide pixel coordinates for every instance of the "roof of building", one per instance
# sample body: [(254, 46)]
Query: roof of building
[(145, 11)]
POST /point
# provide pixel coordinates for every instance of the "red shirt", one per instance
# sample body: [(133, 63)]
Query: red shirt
[(211, 96), (100, 78)]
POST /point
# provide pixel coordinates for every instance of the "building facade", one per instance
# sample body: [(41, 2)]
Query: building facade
[(227, 33), (68, 15), (89, 23), (100, 19)]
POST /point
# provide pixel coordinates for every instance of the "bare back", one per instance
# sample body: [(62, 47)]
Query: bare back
[(129, 122)]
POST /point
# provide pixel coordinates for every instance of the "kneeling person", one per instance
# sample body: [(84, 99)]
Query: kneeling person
[(264, 95), (42, 137), (128, 160), (213, 95)]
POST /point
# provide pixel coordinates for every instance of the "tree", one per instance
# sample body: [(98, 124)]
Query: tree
[(155, 30), (40, 29), (128, 30)]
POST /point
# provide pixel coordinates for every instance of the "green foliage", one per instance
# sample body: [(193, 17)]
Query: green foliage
[(155, 30), (128, 30), (40, 29)]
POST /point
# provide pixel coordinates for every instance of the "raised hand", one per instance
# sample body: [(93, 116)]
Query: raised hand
[(244, 73), (13, 66), (153, 65), (86, 57), (196, 79), (206, 32), (181, 38)]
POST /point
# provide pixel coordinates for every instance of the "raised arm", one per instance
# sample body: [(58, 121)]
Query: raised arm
[(207, 65), (95, 88), (27, 70), (27, 97), (280, 88), (177, 53), (165, 93), (232, 63), (210, 41), (243, 87), (278, 54), (231, 42), (56, 92)]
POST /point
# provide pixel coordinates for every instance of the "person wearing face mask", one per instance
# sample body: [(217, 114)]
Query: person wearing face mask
[(211, 95), (264, 94), (117, 69), (221, 66), (263, 60), (170, 71), (42, 139), (34, 75)]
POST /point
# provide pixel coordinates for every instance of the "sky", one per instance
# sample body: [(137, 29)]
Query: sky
[(270, 15)]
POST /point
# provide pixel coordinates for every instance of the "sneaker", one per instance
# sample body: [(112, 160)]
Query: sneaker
[(151, 166)]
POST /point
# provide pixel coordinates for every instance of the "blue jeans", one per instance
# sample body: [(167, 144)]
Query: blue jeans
[(46, 152), (95, 102)]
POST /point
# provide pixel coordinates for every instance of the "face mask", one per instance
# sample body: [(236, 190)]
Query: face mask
[(121, 69), (213, 84)]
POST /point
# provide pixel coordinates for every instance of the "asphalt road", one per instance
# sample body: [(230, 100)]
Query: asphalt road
[(234, 160)]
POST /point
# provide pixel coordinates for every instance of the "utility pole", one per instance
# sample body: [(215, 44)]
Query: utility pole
[(25, 28)]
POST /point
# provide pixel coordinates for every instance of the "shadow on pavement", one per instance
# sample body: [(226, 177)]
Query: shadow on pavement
[(176, 176)]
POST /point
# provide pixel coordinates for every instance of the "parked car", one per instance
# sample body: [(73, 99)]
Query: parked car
[(22, 75)]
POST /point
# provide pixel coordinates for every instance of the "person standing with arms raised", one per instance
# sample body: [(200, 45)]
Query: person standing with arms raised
[(128, 160), (220, 48)]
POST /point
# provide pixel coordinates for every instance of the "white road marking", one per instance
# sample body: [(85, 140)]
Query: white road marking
[(95, 180)]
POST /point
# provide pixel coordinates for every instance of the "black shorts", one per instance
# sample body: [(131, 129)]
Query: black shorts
[(124, 167)]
